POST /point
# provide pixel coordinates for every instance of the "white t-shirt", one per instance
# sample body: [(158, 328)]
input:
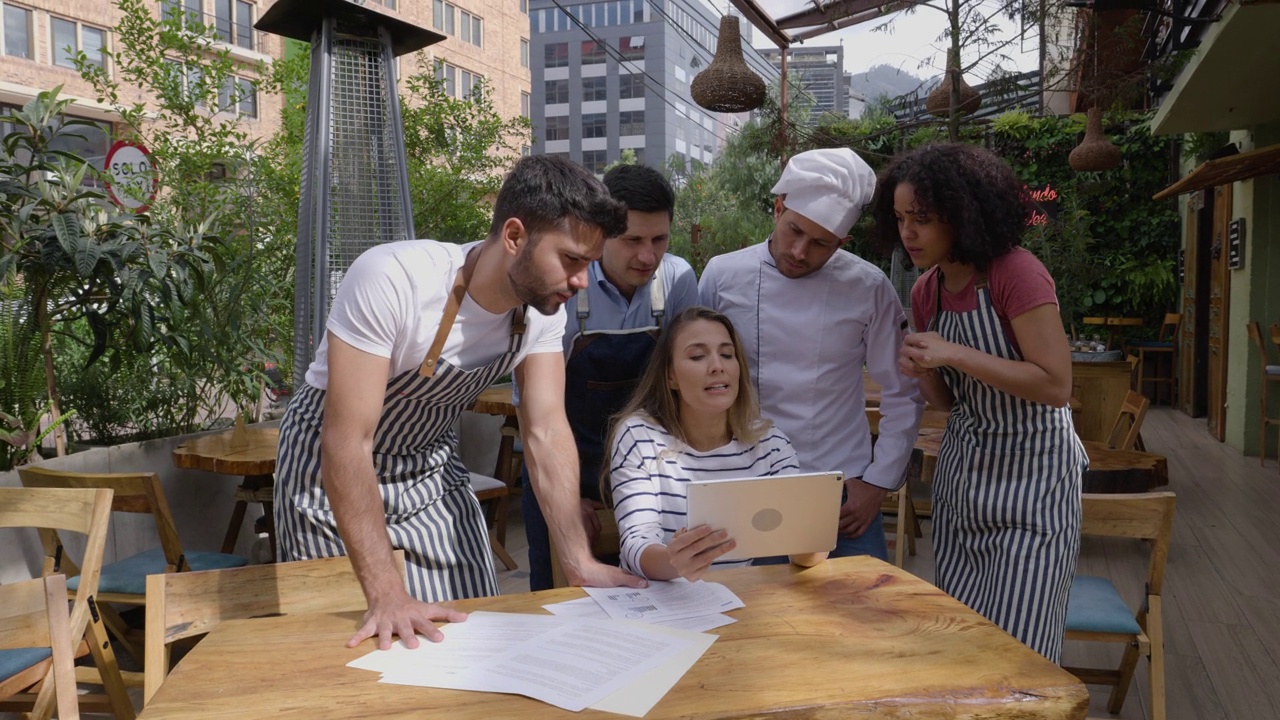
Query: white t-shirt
[(392, 299)]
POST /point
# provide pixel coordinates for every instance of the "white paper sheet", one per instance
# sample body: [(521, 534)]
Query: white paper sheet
[(568, 662), (588, 608), (663, 601)]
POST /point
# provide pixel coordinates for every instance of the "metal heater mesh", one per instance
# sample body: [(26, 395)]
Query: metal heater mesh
[(354, 180), (364, 192)]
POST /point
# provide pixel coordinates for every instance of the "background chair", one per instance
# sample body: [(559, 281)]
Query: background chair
[(85, 512), (1268, 374), (492, 494), (35, 627), (1159, 349), (1097, 612), (1126, 432), (125, 581), (184, 605), (606, 547)]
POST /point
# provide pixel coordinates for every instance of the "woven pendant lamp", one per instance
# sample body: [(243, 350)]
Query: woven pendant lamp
[(1095, 152), (728, 85), (939, 101)]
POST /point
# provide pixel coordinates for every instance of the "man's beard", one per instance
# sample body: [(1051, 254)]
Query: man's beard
[(529, 287)]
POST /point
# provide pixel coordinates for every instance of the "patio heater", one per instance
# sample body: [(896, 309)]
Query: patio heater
[(355, 184)]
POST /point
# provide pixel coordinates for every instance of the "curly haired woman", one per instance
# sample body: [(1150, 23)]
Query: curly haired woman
[(990, 348)]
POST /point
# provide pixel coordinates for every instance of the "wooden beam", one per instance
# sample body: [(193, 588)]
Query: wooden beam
[(756, 15)]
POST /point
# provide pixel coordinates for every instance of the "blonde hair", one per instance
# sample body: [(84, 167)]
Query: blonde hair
[(655, 400)]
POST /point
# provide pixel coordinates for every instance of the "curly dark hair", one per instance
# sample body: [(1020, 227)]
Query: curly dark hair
[(967, 187)]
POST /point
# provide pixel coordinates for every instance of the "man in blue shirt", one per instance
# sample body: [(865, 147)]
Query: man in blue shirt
[(610, 334)]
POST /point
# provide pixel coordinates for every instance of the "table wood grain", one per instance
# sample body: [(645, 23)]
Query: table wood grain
[(495, 400), (218, 453), (848, 638)]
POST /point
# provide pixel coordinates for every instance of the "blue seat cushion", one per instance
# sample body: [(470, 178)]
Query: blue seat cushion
[(13, 662), (129, 576), (1151, 344), (1095, 605)]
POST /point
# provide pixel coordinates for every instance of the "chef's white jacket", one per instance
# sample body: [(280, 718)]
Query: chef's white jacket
[(807, 341)]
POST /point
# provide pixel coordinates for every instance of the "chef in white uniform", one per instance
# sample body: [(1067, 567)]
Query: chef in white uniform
[(811, 317)]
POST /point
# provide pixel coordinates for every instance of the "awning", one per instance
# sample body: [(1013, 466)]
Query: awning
[(1233, 168)]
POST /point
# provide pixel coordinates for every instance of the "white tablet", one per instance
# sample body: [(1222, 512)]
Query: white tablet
[(768, 516)]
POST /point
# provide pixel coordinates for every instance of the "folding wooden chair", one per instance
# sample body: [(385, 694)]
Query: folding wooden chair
[(35, 628), (85, 512), (1268, 374), (1126, 433), (1097, 612), (184, 605), (125, 581)]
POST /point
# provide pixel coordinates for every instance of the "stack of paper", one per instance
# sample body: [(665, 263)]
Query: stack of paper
[(582, 656)]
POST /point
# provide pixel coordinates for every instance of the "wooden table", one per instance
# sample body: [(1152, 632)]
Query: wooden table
[(849, 638), (250, 452), (1110, 471), (1113, 325)]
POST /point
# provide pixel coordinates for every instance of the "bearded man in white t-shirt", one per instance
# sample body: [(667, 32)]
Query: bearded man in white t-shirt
[(368, 457)]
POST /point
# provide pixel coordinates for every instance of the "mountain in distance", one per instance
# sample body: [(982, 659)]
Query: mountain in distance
[(883, 80)]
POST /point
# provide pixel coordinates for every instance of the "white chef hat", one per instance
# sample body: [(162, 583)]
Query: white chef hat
[(830, 187)]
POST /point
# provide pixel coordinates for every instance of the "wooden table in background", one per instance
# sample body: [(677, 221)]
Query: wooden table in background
[(1110, 471), (1113, 325), (251, 454), (854, 637)]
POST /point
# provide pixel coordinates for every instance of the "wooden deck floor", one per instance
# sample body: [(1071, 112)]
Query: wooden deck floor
[(1222, 592)]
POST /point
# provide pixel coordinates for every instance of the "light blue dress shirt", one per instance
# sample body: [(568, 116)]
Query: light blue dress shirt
[(610, 310)]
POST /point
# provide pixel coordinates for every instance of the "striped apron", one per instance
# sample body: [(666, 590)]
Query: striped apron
[(1006, 508), (431, 512)]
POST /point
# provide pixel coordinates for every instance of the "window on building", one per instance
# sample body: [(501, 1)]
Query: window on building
[(233, 22), (592, 52), (632, 48), (593, 125), (187, 11), (524, 53), (449, 75), (70, 37), (389, 4), (595, 160), (472, 29), (639, 155), (593, 88), (556, 55), (248, 92), (17, 32), (444, 16), (557, 91), (524, 104), (186, 82), (631, 122), (524, 6), (471, 85), (557, 128), (88, 142), (631, 86)]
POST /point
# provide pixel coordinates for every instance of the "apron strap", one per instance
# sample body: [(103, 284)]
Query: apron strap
[(584, 307), (459, 290), (979, 283), (658, 296)]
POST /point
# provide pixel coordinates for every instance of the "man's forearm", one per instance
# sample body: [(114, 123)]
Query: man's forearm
[(552, 458), (346, 468)]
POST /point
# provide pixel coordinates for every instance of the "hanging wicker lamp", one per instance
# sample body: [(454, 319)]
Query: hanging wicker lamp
[(728, 85), (1095, 152), (939, 101)]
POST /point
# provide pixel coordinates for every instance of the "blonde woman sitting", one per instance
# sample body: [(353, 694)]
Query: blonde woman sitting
[(691, 417)]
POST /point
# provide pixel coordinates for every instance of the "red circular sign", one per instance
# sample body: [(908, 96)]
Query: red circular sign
[(131, 177)]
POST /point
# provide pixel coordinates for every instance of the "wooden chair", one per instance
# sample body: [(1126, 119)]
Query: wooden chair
[(492, 494), (34, 627), (1268, 374), (125, 581), (1126, 432), (184, 605), (1162, 347), (84, 512), (1097, 612)]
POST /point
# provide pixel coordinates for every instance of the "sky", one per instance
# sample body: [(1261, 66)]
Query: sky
[(909, 40)]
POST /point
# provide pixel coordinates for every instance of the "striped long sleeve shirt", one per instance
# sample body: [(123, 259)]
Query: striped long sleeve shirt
[(650, 471)]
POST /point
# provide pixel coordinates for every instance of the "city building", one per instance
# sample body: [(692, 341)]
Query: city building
[(820, 74), (613, 76), (485, 39)]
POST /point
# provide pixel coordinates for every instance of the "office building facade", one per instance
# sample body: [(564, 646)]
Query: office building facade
[(614, 75)]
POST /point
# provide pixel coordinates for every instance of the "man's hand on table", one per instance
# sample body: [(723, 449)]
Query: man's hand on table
[(861, 508), (405, 616)]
